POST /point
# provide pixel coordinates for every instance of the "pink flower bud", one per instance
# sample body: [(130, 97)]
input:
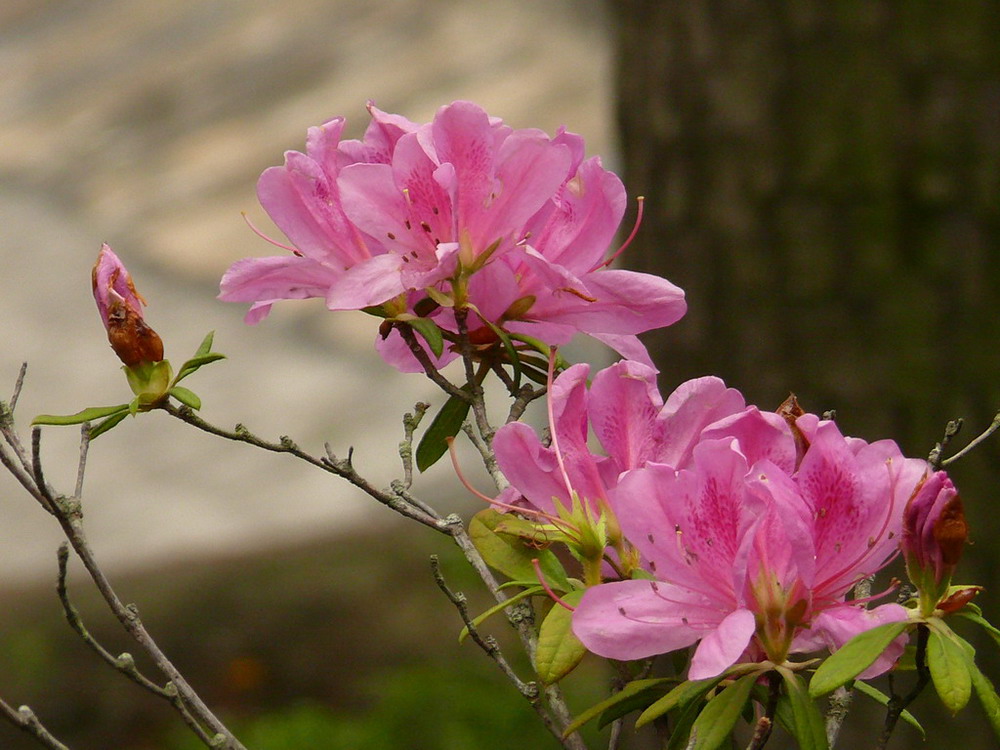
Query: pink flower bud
[(120, 307), (934, 533)]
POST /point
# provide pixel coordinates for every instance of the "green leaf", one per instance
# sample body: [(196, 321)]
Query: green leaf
[(101, 427), (196, 363), (981, 621), (430, 332), (808, 726), (185, 396), (635, 694), (716, 721), (477, 621), (683, 694), (508, 345), (638, 702), (949, 664), (206, 344), (446, 424), (879, 697), (90, 414), (509, 556), (854, 657), (987, 695), (559, 651)]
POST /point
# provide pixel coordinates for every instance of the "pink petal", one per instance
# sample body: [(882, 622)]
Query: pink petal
[(627, 345), (274, 278), (529, 466), (633, 620), (761, 435), (367, 284), (624, 404), (688, 411), (721, 648), (837, 625), (588, 210)]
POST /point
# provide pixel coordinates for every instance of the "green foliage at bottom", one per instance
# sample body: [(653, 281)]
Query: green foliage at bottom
[(417, 708)]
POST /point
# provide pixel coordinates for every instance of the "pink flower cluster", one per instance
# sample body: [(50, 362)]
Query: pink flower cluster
[(464, 212), (753, 525)]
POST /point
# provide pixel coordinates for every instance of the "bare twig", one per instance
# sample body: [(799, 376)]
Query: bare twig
[(24, 719), (898, 703), (124, 662), (489, 458), (522, 618), (410, 423), (525, 396), (18, 384), (398, 498), (410, 338), (329, 463), (82, 466), (7, 423), (994, 426), (474, 381), (839, 705), (764, 725), (950, 430), (68, 512), (487, 643)]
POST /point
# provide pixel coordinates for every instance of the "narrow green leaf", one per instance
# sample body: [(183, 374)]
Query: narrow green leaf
[(988, 698), (510, 556), (185, 396), (683, 694), (559, 651), (206, 344), (196, 363), (508, 345), (632, 690), (854, 657), (89, 414), (879, 697), (981, 621), (446, 424), (542, 348), (680, 731), (638, 702), (949, 664), (716, 721), (430, 332), (477, 621), (96, 430), (808, 726)]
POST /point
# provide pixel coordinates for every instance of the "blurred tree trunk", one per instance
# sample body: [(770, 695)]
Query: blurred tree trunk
[(822, 177)]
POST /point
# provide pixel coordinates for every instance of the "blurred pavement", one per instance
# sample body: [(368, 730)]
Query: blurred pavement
[(146, 125)]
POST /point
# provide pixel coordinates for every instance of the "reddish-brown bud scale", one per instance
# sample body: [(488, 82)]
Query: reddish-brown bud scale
[(790, 411), (132, 340), (959, 599), (951, 531)]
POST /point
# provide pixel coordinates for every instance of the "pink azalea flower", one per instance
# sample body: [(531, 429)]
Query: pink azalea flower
[(625, 411), (510, 223), (753, 547)]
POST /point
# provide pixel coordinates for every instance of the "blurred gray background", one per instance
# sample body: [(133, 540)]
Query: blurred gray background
[(145, 125)]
